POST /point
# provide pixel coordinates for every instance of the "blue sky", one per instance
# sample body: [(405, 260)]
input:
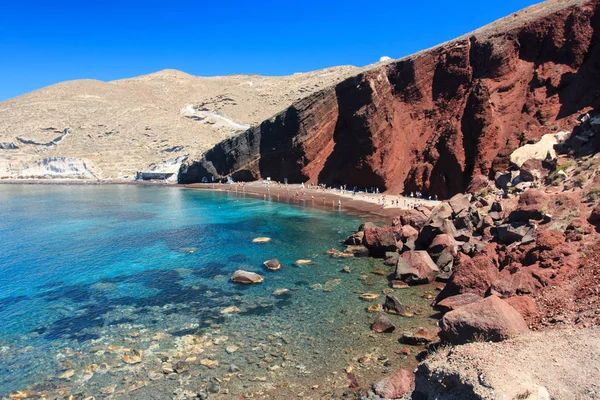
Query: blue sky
[(42, 43)]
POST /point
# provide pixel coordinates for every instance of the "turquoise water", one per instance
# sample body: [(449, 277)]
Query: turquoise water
[(87, 267)]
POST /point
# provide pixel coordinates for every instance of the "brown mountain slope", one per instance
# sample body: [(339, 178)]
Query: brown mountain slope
[(434, 120), (123, 126)]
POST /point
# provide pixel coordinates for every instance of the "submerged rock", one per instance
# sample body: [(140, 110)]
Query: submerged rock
[(375, 308), (273, 264), (300, 263), (230, 310), (241, 276), (393, 306), (369, 296), (383, 324)]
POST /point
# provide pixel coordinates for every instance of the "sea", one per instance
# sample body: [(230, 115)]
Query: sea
[(124, 291)]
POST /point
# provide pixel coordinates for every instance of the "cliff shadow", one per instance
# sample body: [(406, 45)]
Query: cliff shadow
[(348, 162), (579, 90), (281, 154)]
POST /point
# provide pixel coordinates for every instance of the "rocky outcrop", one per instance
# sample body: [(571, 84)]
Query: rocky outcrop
[(489, 319), (433, 121)]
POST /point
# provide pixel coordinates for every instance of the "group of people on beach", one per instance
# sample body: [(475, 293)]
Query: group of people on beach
[(410, 200)]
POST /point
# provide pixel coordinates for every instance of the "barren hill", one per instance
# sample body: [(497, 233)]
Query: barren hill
[(434, 120), (106, 130)]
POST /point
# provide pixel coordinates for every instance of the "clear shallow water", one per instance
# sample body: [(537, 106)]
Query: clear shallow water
[(83, 268)]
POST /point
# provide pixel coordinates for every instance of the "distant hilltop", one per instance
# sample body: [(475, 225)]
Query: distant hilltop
[(89, 129)]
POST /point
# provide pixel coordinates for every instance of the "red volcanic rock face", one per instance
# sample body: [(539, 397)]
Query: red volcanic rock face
[(433, 121)]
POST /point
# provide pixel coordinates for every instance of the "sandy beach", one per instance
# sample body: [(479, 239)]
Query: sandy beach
[(379, 206)]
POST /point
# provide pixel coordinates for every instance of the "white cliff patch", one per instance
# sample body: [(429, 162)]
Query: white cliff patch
[(538, 151), (166, 170), (216, 119), (49, 168)]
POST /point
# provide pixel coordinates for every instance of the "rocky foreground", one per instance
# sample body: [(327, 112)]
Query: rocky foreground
[(515, 255)]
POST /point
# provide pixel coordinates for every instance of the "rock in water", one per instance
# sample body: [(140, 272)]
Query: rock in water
[(393, 306), (241, 276), (272, 264), (383, 324), (396, 385), (230, 310), (489, 319), (300, 263)]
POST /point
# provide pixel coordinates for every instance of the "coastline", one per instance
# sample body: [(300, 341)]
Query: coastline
[(366, 205), (362, 349)]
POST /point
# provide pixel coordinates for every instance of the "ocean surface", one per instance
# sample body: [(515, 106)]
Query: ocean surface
[(105, 289)]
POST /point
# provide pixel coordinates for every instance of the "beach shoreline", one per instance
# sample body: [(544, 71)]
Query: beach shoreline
[(366, 205)]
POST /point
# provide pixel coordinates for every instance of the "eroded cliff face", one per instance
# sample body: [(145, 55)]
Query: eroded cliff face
[(432, 121)]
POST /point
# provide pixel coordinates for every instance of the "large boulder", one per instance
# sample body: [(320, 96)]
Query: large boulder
[(511, 233), (407, 233), (455, 302), (542, 150), (396, 385), (460, 202), (355, 239), (468, 219), (413, 217), (473, 275), (516, 283), (442, 250), (532, 170), (595, 215), (416, 267), (524, 306), (438, 223), (490, 319), (379, 240), (532, 205), (241, 276)]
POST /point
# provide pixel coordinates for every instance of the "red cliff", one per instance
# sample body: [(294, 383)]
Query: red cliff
[(434, 120)]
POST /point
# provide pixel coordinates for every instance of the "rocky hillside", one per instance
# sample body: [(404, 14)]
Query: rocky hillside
[(518, 254), (434, 120), (107, 130)]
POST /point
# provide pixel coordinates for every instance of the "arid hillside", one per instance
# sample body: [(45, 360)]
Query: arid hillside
[(435, 120), (106, 130)]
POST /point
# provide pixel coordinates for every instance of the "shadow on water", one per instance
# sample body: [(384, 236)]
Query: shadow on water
[(241, 258), (12, 300), (96, 310)]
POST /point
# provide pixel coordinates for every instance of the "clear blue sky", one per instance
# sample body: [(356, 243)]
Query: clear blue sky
[(45, 42)]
